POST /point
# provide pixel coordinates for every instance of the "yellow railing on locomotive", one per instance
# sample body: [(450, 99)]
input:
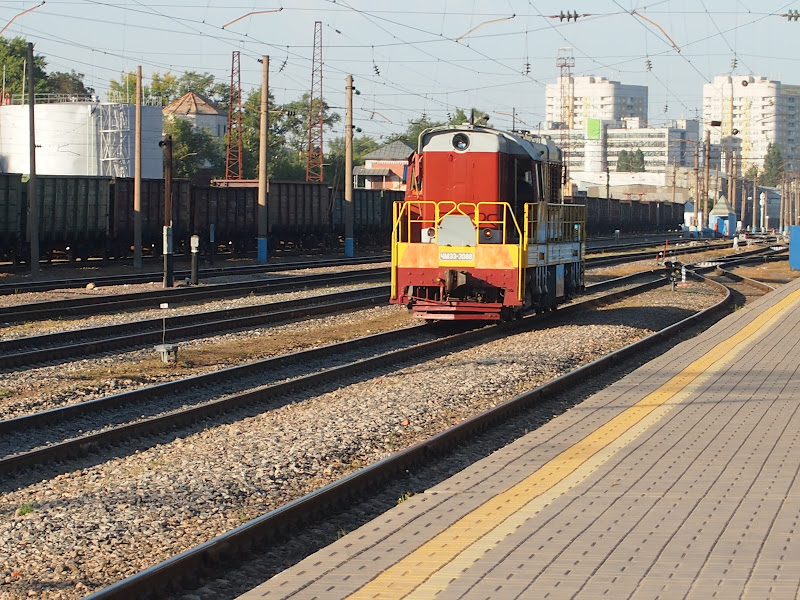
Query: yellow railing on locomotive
[(565, 223), (403, 230)]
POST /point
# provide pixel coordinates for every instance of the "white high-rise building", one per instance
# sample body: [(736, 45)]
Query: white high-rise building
[(590, 97), (747, 113)]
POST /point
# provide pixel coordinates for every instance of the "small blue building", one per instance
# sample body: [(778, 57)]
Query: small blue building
[(722, 218)]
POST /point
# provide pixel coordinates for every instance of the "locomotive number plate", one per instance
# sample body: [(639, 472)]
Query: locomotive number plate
[(465, 256)]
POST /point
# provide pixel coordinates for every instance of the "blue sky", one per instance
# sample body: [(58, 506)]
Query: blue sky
[(417, 56)]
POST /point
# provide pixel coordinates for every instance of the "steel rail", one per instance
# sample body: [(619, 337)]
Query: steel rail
[(80, 446), (29, 351), (185, 567), (156, 276), (135, 278), (107, 303)]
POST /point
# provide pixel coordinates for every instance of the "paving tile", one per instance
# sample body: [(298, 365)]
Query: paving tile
[(704, 503)]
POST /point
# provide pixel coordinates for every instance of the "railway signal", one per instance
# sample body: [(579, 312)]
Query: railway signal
[(675, 271)]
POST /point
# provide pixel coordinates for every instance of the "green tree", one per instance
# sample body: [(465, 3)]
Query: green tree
[(362, 145), (630, 161), (124, 90), (165, 86), (637, 161), (751, 172), (204, 84), (194, 149), (169, 87), (411, 135), (624, 161), (68, 83), (297, 117), (284, 162), (773, 166), (415, 127), (13, 56)]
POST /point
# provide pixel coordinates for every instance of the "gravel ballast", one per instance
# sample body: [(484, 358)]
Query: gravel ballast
[(66, 536)]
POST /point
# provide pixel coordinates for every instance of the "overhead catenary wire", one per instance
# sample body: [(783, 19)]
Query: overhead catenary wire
[(201, 25)]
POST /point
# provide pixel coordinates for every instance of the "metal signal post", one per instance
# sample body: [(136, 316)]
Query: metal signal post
[(263, 177), (169, 279), (33, 199), (349, 249)]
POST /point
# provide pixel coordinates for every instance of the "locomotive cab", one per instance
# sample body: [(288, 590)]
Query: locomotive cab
[(479, 235)]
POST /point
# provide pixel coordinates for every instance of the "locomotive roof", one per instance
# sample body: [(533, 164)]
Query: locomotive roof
[(535, 146)]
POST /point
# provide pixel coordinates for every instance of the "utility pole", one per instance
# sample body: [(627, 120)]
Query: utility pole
[(743, 208), (729, 169), (707, 152), (696, 186), (33, 197), (166, 144), (782, 223), (735, 183), (137, 176), (755, 199), (263, 177), (674, 176), (349, 247)]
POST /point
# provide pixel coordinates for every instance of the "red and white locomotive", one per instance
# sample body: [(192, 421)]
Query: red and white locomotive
[(481, 234)]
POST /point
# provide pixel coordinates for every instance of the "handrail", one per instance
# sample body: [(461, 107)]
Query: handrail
[(446, 208)]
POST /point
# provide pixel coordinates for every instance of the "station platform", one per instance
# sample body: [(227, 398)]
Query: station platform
[(678, 481)]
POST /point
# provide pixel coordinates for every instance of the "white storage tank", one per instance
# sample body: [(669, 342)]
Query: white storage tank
[(81, 138)]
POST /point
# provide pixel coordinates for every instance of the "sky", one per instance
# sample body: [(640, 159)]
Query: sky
[(422, 56)]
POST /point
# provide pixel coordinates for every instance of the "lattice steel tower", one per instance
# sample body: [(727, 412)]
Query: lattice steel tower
[(233, 156), (315, 113)]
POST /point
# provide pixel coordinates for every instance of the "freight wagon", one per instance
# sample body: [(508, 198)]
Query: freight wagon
[(93, 216)]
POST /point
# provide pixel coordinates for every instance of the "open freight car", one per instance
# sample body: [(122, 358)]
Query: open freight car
[(12, 217), (73, 215), (152, 211), (372, 216)]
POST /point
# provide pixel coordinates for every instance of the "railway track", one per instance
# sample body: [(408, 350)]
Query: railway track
[(209, 272), (103, 304), (28, 351), (28, 440), (55, 347), (271, 527), (154, 276)]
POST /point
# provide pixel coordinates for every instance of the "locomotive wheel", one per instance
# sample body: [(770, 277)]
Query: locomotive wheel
[(507, 314)]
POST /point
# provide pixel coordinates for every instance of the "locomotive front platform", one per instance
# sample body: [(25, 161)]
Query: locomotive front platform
[(678, 481)]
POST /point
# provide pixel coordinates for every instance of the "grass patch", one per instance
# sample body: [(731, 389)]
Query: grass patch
[(404, 497), (25, 509)]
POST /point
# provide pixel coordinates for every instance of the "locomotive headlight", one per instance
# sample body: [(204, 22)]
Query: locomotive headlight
[(488, 233), (460, 141), (431, 233)]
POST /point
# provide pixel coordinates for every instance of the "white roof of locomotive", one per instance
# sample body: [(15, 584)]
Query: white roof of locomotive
[(487, 139)]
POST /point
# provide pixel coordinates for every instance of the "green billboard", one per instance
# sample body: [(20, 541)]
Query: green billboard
[(594, 129)]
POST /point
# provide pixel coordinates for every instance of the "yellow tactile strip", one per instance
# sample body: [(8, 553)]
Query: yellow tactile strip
[(439, 562)]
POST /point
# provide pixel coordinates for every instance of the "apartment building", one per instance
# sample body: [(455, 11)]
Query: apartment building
[(747, 113)]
